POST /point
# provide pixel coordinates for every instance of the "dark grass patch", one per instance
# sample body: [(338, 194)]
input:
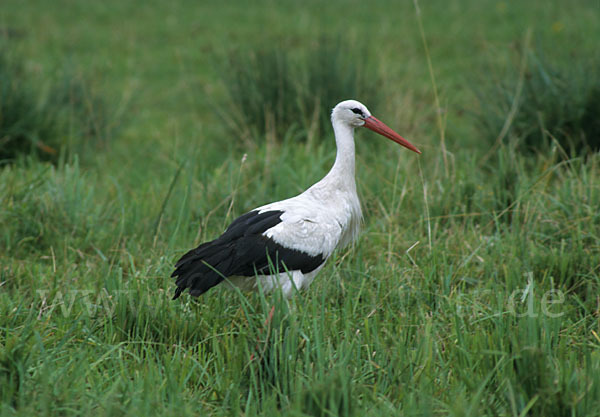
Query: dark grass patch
[(282, 91), (83, 113), (44, 120), (333, 395), (25, 128), (551, 105)]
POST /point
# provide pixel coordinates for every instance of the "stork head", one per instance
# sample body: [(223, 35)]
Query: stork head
[(350, 112), (356, 114)]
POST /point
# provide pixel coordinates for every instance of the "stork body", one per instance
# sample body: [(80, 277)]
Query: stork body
[(285, 244)]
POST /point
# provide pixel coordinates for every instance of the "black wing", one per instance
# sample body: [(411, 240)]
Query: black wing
[(242, 250)]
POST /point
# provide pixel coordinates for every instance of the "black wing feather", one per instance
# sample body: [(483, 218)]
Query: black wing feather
[(242, 250)]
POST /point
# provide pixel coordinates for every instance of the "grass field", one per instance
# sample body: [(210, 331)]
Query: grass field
[(474, 289)]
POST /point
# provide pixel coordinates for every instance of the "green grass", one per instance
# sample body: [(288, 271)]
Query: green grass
[(473, 289)]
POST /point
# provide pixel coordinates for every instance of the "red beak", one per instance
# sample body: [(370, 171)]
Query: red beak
[(378, 126)]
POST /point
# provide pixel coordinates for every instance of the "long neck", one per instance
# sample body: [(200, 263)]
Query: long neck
[(342, 172)]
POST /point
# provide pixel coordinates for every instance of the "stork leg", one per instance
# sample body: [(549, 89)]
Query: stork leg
[(267, 327)]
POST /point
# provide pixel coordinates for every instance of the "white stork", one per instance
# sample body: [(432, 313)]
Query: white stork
[(285, 244)]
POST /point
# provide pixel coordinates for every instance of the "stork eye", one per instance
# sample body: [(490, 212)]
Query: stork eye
[(356, 110)]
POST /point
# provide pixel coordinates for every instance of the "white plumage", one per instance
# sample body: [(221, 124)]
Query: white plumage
[(296, 235)]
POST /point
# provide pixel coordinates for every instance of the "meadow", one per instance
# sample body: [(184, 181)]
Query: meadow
[(474, 289)]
